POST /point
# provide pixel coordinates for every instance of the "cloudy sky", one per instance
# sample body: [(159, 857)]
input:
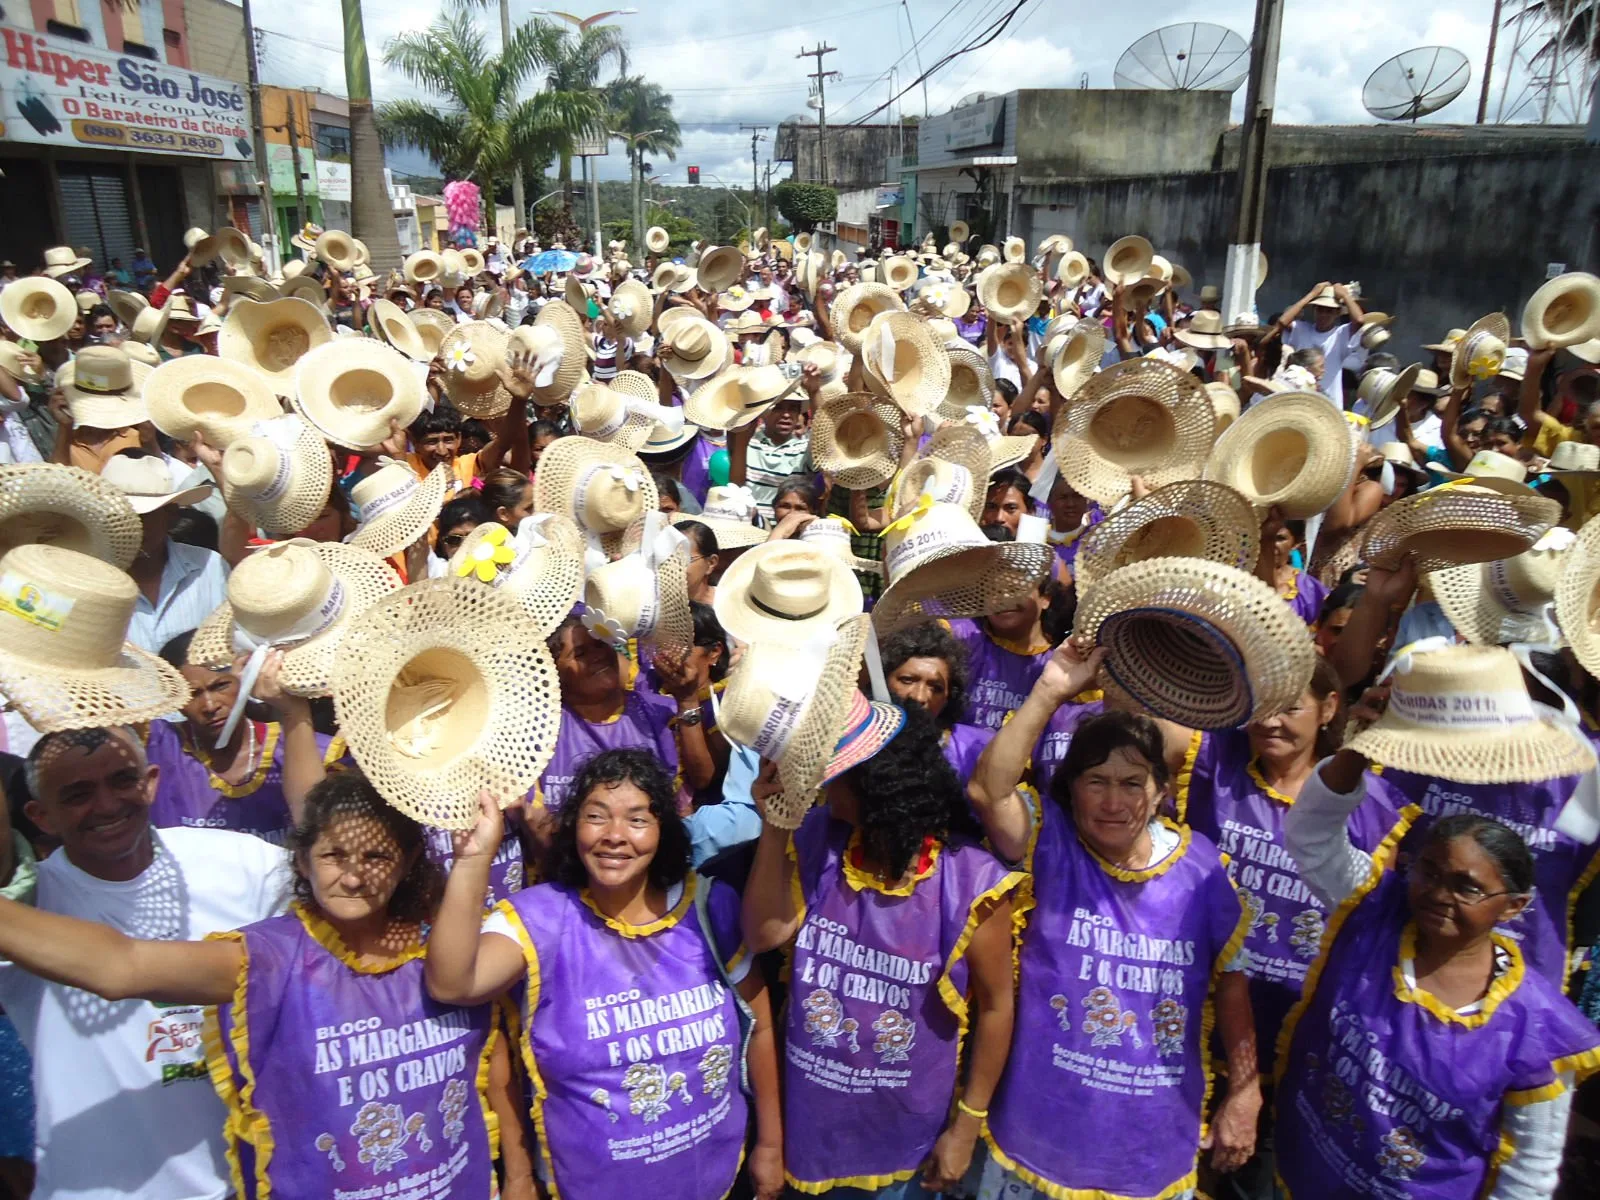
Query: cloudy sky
[(724, 65)]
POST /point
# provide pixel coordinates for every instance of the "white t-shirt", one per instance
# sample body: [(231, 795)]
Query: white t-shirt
[(1334, 344), (125, 1107), (1001, 367)]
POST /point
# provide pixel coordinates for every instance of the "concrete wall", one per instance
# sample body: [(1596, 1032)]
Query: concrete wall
[(216, 39), (1439, 241), (857, 154), (1077, 134)]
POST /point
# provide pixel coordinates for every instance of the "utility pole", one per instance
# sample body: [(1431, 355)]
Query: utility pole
[(269, 212), (756, 135), (822, 78), (517, 197), (1488, 63), (294, 150), (766, 195), (1239, 280)]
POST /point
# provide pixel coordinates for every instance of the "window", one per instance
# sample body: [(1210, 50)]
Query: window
[(172, 37), (140, 51), (333, 142), (60, 29)]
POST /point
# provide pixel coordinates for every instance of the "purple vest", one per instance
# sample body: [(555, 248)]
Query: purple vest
[(1308, 597), (1051, 748), (1233, 806), (962, 745), (631, 1043), (998, 679), (1562, 868), (877, 1008), (1114, 1006), (508, 871), (696, 473), (1382, 1091), (642, 724), (189, 794), (345, 1080)]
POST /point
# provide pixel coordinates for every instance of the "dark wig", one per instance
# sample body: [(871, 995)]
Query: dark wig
[(609, 769), (1098, 739), (1499, 841), (346, 795), (930, 640)]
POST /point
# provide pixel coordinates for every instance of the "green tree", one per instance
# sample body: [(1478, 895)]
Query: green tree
[(578, 56), (371, 215), (477, 128), (803, 205), (641, 114)]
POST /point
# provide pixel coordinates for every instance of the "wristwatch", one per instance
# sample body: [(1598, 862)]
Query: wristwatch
[(692, 717)]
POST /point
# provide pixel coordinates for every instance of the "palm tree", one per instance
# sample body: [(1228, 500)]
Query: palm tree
[(641, 114), (574, 71), (371, 215), (477, 128)]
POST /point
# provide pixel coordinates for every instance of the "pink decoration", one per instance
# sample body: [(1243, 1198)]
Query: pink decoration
[(463, 204)]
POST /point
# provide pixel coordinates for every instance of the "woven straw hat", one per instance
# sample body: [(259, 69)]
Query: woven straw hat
[(953, 468), (601, 488), (1490, 469), (1578, 597), (729, 512), (553, 346), (70, 508), (855, 307), (644, 594), (784, 591), (1197, 642), (632, 307), (540, 566), (856, 438), (246, 287), (389, 323), (1005, 449), (471, 261), (1510, 599), (147, 483), (657, 240), (1010, 291), (272, 338), (1014, 250), (1141, 417), (1456, 524), (899, 272), (353, 389), (790, 702), (672, 277), (832, 535), (1384, 391), (443, 689), (1077, 357), (301, 287), (691, 347), (65, 662), (1128, 260), (1463, 713), (903, 360), (433, 325), (939, 297), (940, 564), (1192, 519), (336, 248), (1073, 268), (1292, 449), (452, 265), (424, 266), (103, 387), (395, 508), (719, 268), (971, 383), (831, 361), (738, 396), (128, 305), (1482, 350), (621, 416), (473, 354), (1204, 331), (215, 397), (737, 299), (1564, 312), (64, 260), (1573, 458), (277, 475), (1225, 403)]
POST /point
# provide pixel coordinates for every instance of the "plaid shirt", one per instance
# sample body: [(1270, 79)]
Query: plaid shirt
[(863, 545)]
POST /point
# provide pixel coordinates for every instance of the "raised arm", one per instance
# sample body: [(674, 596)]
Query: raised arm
[(303, 767), (1450, 422), (1386, 596), (1352, 306), (1314, 828), (1292, 313), (1529, 396), (770, 914), (465, 965)]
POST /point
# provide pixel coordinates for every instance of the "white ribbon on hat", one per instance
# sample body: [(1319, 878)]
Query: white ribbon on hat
[(667, 416), (402, 492), (792, 693), (318, 620), (1386, 477), (983, 420), (1046, 481), (546, 364), (1405, 658), (736, 503), (284, 433), (528, 538), (886, 353)]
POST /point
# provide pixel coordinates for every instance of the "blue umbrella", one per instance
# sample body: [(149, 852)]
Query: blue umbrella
[(548, 262)]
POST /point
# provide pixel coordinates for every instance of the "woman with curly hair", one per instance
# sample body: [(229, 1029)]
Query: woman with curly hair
[(635, 987), (897, 916), (338, 1069), (926, 668)]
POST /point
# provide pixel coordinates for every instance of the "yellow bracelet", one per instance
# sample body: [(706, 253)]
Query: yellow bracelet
[(972, 1112)]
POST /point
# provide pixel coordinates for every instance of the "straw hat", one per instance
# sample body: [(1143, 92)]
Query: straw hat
[(1141, 417), (1564, 312), (784, 249), (691, 347), (1492, 470), (433, 325), (296, 596), (959, 231), (1137, 297), (65, 662), (601, 488), (247, 286), (1196, 642), (452, 267), (540, 565), (443, 689), (147, 483), (1128, 260), (271, 338), (737, 299), (1573, 458), (855, 307), (719, 268), (425, 266), (1384, 391), (215, 397), (899, 272), (1073, 268), (856, 439), (971, 383), (389, 324), (1428, 384), (1578, 598), (643, 596), (1398, 455), (939, 297), (988, 255), (1225, 403), (394, 508), (785, 591), (336, 248), (1010, 291), (473, 353), (953, 468), (1448, 344), (128, 305), (102, 387), (1463, 713), (472, 260), (277, 475), (487, 305), (1014, 250), (657, 240), (306, 239), (939, 564), (38, 309), (672, 277), (903, 360), (1077, 357), (1510, 599), (86, 301), (729, 512), (1005, 449), (1455, 524), (1204, 331), (623, 416), (1192, 519), (354, 389), (1481, 352), (738, 396), (70, 508), (1291, 449), (63, 260), (11, 363), (632, 308)]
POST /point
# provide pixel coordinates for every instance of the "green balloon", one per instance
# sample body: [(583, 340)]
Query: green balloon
[(717, 469)]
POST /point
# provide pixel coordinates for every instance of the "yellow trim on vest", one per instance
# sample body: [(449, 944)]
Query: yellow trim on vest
[(335, 751), (223, 1080), (1180, 788), (978, 912), (491, 1122), (530, 957), (326, 936), (236, 791), (1208, 1010), (1253, 768), (245, 1123), (690, 882), (1503, 1153), (1023, 900), (1041, 1184), (867, 1183), (1502, 987), (1582, 1065), (860, 881), (1020, 649), (1535, 1095), (1185, 836)]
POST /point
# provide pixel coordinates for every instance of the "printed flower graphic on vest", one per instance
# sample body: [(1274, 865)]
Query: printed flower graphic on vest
[(1337, 1103), (453, 1104), (646, 1085), (895, 1033), (1108, 1020), (678, 1083), (825, 1021), (1063, 1008), (715, 1066), (515, 876), (417, 1127), (1167, 1021), (328, 1146), (603, 1098), (1401, 1157), (1307, 936), (381, 1130), (1259, 917)]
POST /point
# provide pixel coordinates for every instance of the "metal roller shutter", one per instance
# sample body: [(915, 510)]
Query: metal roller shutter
[(96, 211)]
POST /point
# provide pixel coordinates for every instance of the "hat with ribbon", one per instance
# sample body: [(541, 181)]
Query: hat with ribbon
[(70, 508), (1005, 449), (1510, 599), (1383, 392), (643, 595), (393, 508), (904, 361), (553, 349), (600, 487), (690, 347), (625, 416), (853, 310), (1194, 518), (784, 590), (856, 438), (971, 383), (953, 468), (353, 390), (1204, 331), (277, 474), (1482, 350), (832, 535), (473, 353), (1492, 470), (103, 387), (1457, 523), (729, 512), (541, 564)]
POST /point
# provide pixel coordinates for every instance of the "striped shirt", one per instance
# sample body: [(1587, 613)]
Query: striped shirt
[(609, 358), (193, 584), (767, 464)]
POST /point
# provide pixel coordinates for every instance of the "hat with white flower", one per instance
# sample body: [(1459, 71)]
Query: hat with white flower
[(1005, 449), (600, 487), (473, 354), (645, 594), (541, 564), (631, 306), (729, 512)]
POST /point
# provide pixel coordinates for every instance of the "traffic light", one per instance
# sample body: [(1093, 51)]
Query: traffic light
[(694, 176)]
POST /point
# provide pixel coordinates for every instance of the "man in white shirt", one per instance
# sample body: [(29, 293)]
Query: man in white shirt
[(1334, 325), (125, 1107)]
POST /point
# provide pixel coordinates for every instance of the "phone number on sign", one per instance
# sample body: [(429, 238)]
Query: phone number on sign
[(100, 133)]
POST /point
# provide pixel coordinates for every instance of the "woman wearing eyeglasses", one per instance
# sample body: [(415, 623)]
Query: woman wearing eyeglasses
[(1427, 1058)]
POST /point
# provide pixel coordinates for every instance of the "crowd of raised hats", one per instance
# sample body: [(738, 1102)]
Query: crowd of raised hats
[(812, 462)]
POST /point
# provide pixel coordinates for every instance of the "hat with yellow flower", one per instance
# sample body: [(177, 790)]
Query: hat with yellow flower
[(540, 565)]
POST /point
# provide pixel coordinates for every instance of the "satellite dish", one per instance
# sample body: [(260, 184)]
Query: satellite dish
[(800, 119), (970, 98), (1191, 57), (1415, 83)]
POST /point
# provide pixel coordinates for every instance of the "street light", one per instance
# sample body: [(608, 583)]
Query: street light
[(736, 200), (633, 140)]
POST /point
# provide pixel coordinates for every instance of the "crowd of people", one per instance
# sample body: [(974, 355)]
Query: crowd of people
[(971, 720)]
